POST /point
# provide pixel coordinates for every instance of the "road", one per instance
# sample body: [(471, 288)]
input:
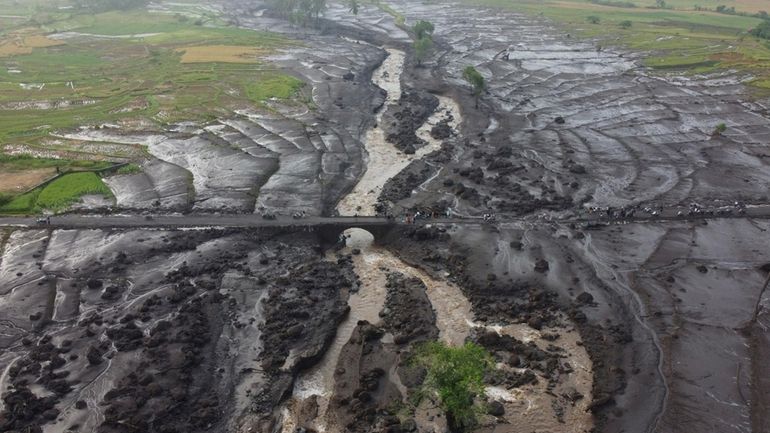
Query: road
[(250, 220)]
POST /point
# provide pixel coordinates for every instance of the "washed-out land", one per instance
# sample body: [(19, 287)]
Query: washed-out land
[(234, 242)]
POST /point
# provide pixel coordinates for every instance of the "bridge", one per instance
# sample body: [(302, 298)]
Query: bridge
[(330, 227), (327, 228)]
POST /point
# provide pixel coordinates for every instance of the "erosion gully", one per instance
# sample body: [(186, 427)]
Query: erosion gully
[(453, 311)]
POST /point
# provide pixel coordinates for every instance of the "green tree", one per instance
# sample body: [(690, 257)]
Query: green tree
[(423, 29), (354, 7), (422, 48), (455, 375), (593, 19), (625, 24), (476, 80)]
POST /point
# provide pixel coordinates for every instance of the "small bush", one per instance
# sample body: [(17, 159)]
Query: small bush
[(719, 129), (593, 19), (456, 377), (625, 24)]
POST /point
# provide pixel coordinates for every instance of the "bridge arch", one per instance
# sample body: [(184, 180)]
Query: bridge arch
[(329, 234)]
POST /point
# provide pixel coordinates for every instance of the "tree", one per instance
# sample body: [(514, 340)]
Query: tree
[(593, 19), (455, 375), (660, 4), (761, 31), (476, 80), (625, 24), (422, 48), (423, 42), (423, 29), (301, 11), (354, 7)]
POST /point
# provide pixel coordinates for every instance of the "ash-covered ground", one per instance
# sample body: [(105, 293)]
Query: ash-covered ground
[(630, 323)]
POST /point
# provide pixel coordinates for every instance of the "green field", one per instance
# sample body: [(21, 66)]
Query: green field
[(57, 195), (676, 38), (123, 67)]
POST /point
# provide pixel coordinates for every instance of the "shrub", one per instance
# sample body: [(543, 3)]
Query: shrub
[(455, 375), (593, 19), (625, 24)]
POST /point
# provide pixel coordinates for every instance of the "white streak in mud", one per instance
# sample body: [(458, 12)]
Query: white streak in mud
[(4, 378), (385, 160)]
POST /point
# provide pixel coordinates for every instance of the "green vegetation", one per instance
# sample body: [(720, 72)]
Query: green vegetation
[(354, 7), (720, 129), (69, 188), (423, 39), (476, 80), (299, 11), (129, 169), (423, 29), (456, 377), (106, 5), (625, 24), (693, 37), (57, 195), (10, 163), (161, 68), (279, 86), (613, 3), (762, 30)]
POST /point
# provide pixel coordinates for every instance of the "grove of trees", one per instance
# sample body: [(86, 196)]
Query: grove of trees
[(95, 6), (299, 11)]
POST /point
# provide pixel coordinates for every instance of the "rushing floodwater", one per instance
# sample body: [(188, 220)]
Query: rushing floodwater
[(384, 160)]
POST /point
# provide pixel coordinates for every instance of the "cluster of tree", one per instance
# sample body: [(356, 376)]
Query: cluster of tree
[(298, 11), (761, 31), (423, 39), (723, 9), (95, 6), (614, 3)]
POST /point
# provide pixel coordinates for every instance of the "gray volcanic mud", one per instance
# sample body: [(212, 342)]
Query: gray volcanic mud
[(565, 129), (156, 330), (562, 123)]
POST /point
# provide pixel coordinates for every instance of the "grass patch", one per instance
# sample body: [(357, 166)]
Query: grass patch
[(279, 86), (57, 195), (455, 376), (68, 189)]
